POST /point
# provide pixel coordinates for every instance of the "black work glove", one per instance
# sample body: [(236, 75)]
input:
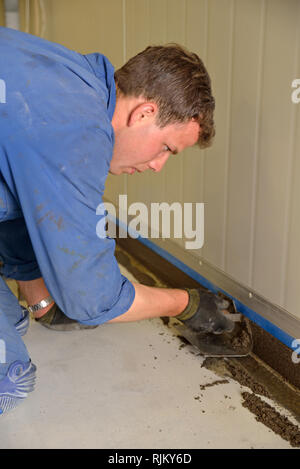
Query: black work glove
[(204, 313)]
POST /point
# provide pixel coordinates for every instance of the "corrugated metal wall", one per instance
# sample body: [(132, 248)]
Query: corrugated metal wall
[(250, 178)]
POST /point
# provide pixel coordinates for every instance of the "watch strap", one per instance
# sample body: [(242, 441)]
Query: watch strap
[(40, 305)]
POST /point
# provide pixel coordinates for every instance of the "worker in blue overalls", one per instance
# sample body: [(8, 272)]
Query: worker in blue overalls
[(66, 121)]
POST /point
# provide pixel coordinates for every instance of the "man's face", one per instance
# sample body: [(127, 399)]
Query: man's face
[(144, 145)]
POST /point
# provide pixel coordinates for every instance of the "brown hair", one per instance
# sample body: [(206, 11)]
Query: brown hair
[(177, 81)]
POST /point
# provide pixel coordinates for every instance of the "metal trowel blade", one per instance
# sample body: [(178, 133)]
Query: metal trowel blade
[(238, 343)]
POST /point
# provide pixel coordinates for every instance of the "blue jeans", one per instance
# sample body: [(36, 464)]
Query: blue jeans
[(12, 347), (16, 252)]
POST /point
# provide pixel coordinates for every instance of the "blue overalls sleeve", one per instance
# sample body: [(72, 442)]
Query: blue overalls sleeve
[(55, 150)]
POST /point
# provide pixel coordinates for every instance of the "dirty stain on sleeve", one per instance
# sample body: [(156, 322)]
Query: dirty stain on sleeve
[(50, 216)]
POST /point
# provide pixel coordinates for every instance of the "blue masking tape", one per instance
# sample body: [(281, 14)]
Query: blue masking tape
[(249, 313)]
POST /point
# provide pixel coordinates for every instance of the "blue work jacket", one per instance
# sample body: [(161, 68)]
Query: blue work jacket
[(56, 143)]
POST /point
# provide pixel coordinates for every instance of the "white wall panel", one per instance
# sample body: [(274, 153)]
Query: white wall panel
[(274, 150), (219, 64), (196, 41), (247, 64), (291, 274)]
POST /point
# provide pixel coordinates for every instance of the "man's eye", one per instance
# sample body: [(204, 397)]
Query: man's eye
[(166, 148)]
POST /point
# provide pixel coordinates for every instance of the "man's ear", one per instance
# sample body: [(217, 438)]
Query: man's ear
[(143, 113)]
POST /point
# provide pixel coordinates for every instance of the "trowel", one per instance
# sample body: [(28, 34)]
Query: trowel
[(238, 343)]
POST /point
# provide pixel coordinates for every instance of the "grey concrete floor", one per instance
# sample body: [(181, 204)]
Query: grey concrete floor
[(127, 386)]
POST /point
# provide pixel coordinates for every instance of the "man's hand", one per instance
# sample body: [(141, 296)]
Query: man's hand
[(204, 313)]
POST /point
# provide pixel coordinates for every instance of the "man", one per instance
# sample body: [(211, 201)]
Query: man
[(67, 121)]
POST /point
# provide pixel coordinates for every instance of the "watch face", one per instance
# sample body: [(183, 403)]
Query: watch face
[(42, 304)]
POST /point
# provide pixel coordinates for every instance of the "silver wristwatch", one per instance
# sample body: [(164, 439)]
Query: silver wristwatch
[(42, 304)]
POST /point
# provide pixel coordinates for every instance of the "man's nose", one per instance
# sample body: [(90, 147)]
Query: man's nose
[(158, 163)]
